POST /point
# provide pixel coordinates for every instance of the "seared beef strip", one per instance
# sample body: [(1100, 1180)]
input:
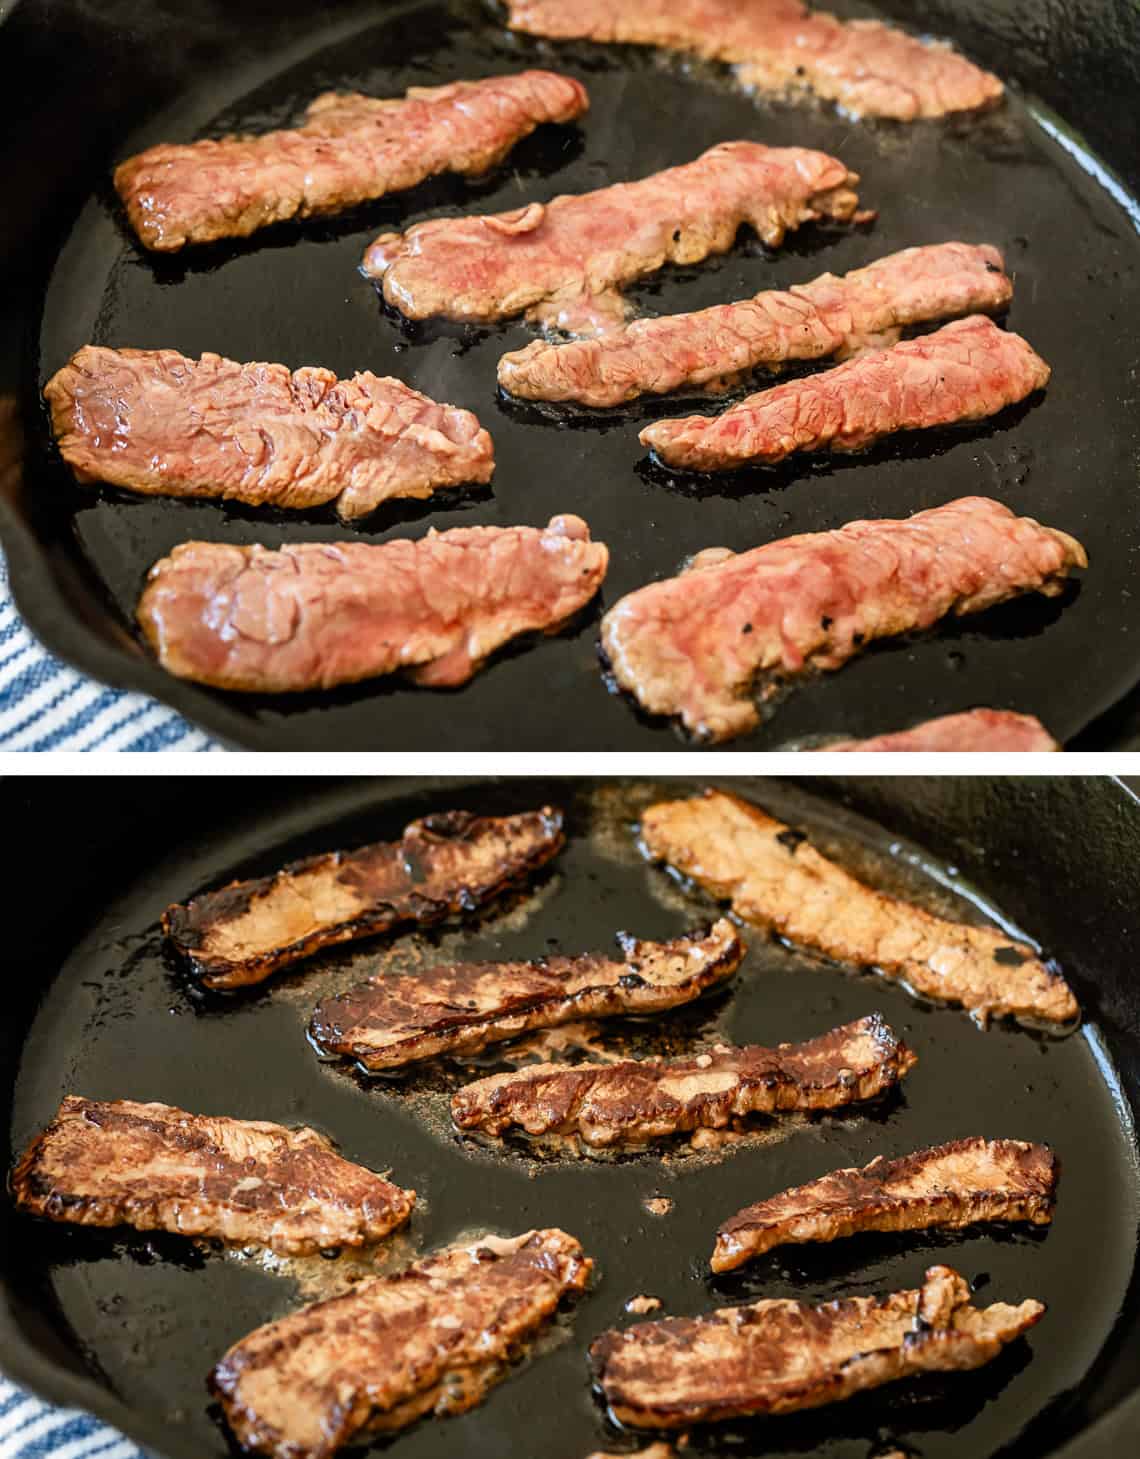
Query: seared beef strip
[(157, 1168), (566, 261), (775, 878), (702, 645), (978, 730), (713, 348), (654, 1451), (444, 864), (949, 1186), (463, 1007), (433, 1338), (312, 615), (777, 1356), (155, 422), (348, 149), (647, 1099), (963, 372), (868, 68)]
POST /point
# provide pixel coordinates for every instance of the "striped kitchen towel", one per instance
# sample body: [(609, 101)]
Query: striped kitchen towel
[(31, 1429), (44, 705)]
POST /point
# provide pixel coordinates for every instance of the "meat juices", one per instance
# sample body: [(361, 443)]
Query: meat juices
[(978, 730), (431, 1339), (313, 615), (733, 626), (779, 46), (447, 863), (463, 1007), (966, 371), (350, 148), (776, 879), (565, 262), (778, 1356), (713, 348), (155, 422), (638, 1100), (948, 1186), (156, 1168)]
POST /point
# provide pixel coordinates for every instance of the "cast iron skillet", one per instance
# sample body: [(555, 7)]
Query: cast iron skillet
[(128, 1326), (89, 84)]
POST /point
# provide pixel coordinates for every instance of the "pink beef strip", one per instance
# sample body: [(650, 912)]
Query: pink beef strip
[(350, 148)]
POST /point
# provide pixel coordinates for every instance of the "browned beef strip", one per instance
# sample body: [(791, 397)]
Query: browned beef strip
[(462, 1007), (950, 1186), (713, 348), (868, 68), (348, 149), (155, 422), (775, 878), (433, 1338), (703, 645), (654, 1451), (963, 372), (157, 1168), (566, 261), (444, 864), (776, 1356), (647, 1099), (312, 615), (978, 730)]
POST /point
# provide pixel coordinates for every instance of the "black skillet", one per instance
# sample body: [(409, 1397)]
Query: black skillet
[(87, 84), (128, 1326)]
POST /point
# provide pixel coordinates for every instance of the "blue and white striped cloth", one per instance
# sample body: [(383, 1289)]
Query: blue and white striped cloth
[(30, 1429), (44, 705)]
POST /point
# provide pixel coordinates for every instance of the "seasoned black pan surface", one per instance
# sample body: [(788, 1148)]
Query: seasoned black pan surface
[(130, 1325), (1020, 178)]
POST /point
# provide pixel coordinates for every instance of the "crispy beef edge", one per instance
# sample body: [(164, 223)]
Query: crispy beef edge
[(185, 924), (451, 1033)]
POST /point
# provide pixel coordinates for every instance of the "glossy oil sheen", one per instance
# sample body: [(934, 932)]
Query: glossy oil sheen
[(150, 1316), (293, 294)]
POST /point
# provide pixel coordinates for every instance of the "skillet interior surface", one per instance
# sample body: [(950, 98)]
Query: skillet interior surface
[(146, 1318), (1019, 178)]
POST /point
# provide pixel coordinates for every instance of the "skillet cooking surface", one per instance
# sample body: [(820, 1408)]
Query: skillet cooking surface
[(293, 294), (148, 1317)]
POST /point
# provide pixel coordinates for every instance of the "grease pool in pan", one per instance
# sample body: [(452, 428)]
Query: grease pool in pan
[(294, 294), (151, 1315)]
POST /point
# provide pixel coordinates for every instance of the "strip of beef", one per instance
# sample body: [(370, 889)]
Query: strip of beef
[(638, 1100), (777, 1356), (654, 1451), (775, 878), (157, 1168), (444, 864), (703, 645), (965, 371), (312, 615), (350, 148), (714, 348), (564, 262), (155, 422), (433, 1338), (978, 730), (462, 1007), (780, 47), (950, 1186)]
